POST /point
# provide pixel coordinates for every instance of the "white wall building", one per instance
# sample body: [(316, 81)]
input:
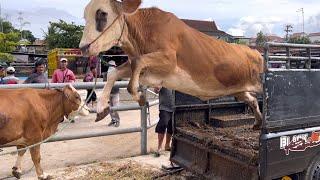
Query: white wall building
[(314, 37)]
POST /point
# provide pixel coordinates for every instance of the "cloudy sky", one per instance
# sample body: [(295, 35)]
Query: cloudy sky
[(235, 17)]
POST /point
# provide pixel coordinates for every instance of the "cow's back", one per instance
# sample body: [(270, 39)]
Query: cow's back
[(211, 63), (21, 102), (208, 59), (21, 109)]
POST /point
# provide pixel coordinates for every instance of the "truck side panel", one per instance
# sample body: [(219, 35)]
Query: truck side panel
[(291, 116), (292, 99)]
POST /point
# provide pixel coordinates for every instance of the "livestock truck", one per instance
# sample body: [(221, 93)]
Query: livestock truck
[(215, 139)]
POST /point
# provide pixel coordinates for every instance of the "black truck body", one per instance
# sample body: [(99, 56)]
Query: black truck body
[(214, 138)]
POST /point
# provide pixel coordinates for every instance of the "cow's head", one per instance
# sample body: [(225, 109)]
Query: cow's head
[(73, 103), (103, 27)]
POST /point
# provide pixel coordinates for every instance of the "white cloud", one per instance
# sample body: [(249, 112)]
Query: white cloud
[(251, 25), (38, 24), (209, 19), (236, 32), (313, 24), (247, 16)]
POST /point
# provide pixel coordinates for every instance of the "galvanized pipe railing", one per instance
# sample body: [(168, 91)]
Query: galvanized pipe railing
[(89, 85), (133, 106), (144, 128), (77, 85), (274, 44), (276, 59), (96, 134)]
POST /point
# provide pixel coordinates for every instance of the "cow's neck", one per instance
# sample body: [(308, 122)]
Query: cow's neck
[(55, 98), (133, 41)]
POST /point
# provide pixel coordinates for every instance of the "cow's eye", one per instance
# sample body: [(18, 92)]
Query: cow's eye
[(101, 20)]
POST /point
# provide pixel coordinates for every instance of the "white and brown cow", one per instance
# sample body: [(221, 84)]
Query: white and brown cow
[(28, 116), (164, 51)]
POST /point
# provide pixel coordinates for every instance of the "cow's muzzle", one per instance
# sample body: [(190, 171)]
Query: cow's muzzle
[(85, 49)]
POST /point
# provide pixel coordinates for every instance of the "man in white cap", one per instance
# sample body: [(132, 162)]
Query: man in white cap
[(114, 98), (10, 78), (63, 75)]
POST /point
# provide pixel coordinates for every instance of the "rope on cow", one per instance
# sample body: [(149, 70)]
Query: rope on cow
[(61, 129)]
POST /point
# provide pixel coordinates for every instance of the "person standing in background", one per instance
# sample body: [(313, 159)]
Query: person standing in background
[(93, 61), (10, 78), (38, 75), (114, 98), (2, 72), (164, 126), (89, 78), (63, 75)]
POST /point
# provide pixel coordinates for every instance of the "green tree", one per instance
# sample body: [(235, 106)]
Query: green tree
[(240, 41), (63, 35), (9, 41), (261, 39), (6, 57), (28, 35), (300, 40), (10, 38), (8, 27)]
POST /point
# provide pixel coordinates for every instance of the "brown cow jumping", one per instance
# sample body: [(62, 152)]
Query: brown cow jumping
[(28, 116), (164, 51)]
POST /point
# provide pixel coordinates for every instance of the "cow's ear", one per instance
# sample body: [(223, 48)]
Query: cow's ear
[(69, 86), (66, 89), (129, 6)]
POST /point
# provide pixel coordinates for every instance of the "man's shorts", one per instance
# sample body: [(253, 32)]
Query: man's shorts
[(165, 122), (93, 96)]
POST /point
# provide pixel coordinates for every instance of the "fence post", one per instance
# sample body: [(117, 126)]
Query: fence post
[(288, 65), (308, 63), (144, 128)]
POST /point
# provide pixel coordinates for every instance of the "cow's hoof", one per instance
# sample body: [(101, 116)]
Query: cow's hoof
[(129, 89), (16, 173), (142, 100), (45, 177), (102, 114)]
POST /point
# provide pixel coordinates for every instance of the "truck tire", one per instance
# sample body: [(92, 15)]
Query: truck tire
[(313, 171)]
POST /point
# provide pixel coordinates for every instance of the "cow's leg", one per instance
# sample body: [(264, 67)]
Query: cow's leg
[(163, 62), (103, 108), (17, 170), (253, 103), (36, 157)]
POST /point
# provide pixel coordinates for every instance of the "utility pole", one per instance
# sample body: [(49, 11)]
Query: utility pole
[(20, 19), (302, 12), (288, 29), (22, 23)]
